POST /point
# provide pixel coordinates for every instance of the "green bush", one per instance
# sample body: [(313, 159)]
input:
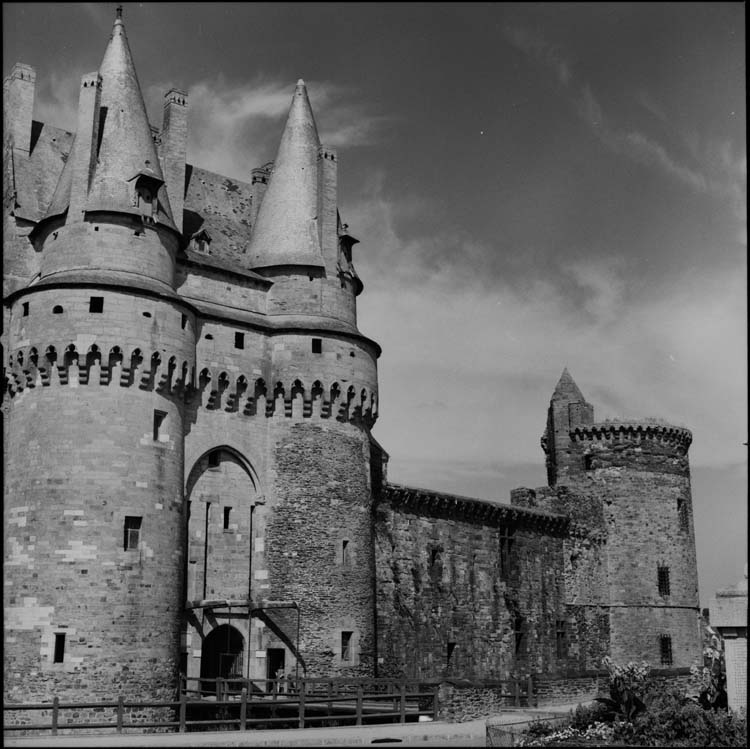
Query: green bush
[(586, 715)]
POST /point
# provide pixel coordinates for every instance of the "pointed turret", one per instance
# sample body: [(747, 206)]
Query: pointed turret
[(566, 389), (127, 172), (568, 409), (112, 183), (286, 231)]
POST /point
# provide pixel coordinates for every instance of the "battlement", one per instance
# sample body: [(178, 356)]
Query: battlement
[(652, 430), (213, 388)]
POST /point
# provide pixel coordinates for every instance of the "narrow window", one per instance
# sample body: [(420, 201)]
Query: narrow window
[(213, 459), (665, 646), (57, 310), (561, 639), (209, 337), (184, 321), (59, 647), (96, 304), (346, 646), (518, 625), (159, 417), (682, 514), (317, 345), (588, 462), (147, 314), (506, 545), (434, 557), (239, 340), (345, 553), (25, 309), (132, 533), (227, 513), (663, 578), (451, 648)]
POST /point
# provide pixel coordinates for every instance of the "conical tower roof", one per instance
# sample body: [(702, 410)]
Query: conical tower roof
[(127, 147), (286, 231), (566, 389)]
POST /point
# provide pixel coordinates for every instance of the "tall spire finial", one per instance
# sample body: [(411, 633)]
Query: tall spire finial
[(119, 13)]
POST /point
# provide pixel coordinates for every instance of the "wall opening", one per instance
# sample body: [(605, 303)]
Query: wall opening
[(663, 580), (159, 419), (214, 458), (346, 646), (239, 340), (25, 309), (96, 304), (561, 640), (57, 309), (59, 655), (665, 648), (221, 655), (275, 664), (682, 514), (345, 552), (132, 535), (506, 546), (317, 345), (183, 323), (227, 513)]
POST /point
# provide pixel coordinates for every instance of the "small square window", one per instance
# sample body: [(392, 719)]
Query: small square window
[(59, 656), (346, 646), (239, 340), (96, 304), (132, 533), (317, 345), (159, 418)]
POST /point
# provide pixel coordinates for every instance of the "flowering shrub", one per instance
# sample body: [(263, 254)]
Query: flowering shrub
[(594, 734), (626, 685)]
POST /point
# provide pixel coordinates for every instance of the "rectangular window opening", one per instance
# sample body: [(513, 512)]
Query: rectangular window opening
[(518, 627), (560, 639), (96, 304), (159, 417), (450, 649), (59, 656), (345, 552), (132, 533), (25, 309), (663, 578), (183, 322), (227, 513), (665, 646), (317, 345), (506, 546), (682, 514), (213, 459), (346, 646), (239, 340)]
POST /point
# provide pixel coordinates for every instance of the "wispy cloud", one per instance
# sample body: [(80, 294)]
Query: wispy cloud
[(235, 126), (709, 172)]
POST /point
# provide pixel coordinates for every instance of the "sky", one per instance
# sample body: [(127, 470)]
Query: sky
[(534, 186)]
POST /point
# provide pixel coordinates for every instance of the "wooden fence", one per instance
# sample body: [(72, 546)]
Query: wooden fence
[(267, 702)]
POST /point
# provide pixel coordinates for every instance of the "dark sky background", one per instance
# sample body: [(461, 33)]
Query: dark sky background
[(534, 185)]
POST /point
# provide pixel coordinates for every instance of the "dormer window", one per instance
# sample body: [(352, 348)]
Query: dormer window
[(145, 190), (201, 241)]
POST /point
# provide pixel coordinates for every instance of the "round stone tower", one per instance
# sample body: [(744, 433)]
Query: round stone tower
[(640, 473), (100, 348)]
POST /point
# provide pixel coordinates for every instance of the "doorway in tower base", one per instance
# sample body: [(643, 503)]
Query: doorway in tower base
[(221, 657)]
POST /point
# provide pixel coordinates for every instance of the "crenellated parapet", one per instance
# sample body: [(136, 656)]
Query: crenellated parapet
[(215, 389), (612, 432), (423, 501)]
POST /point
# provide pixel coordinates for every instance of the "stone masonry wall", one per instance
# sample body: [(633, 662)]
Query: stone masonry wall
[(319, 543)]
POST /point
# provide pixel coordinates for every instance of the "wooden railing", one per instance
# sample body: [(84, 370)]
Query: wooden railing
[(293, 703)]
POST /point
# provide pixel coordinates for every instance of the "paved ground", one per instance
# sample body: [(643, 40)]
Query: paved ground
[(426, 734)]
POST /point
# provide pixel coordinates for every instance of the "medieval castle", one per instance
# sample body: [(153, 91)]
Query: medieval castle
[(191, 485)]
